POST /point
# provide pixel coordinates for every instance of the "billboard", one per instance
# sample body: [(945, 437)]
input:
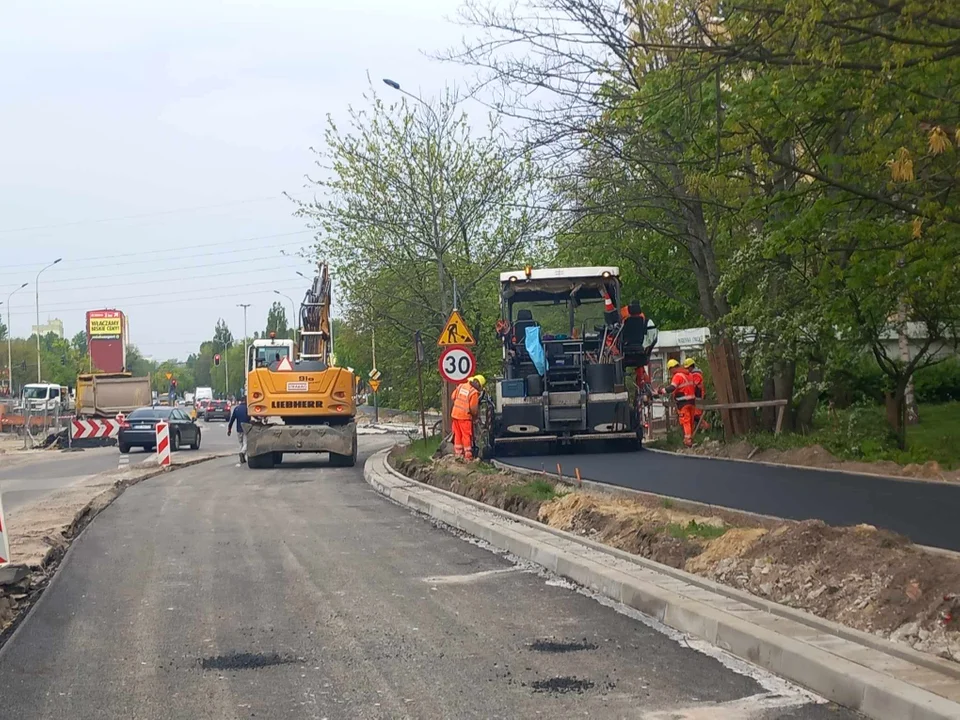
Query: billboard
[(104, 324), (106, 340)]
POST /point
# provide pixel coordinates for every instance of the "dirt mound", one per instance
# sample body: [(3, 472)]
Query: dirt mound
[(868, 579), (477, 482)]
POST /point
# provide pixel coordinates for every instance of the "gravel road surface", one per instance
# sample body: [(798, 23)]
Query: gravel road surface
[(220, 592)]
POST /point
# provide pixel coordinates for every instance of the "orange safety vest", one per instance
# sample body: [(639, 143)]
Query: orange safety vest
[(466, 401), (625, 313), (697, 382), (684, 387)]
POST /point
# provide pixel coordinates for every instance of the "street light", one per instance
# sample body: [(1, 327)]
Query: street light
[(10, 342), (396, 86), (38, 313), (246, 350)]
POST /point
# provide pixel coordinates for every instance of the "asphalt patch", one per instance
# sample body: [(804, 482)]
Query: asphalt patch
[(555, 646), (246, 661), (562, 685)]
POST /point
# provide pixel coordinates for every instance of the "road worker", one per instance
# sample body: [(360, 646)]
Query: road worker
[(697, 374), (683, 390), (466, 409), (631, 310)]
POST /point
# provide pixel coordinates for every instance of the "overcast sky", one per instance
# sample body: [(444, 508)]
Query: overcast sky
[(192, 117)]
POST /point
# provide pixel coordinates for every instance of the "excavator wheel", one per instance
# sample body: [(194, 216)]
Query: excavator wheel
[(345, 460), (260, 462)]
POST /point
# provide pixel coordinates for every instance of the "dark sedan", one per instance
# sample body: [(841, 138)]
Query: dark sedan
[(217, 410), (140, 429)]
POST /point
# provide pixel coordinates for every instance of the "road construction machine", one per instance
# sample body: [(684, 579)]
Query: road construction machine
[(298, 400), (565, 354)]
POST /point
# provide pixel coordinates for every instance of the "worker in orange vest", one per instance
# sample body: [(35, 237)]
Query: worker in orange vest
[(683, 389), (631, 310), (466, 408), (697, 374)]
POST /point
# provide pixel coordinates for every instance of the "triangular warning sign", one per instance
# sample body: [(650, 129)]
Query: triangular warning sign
[(285, 365), (455, 332), (375, 385)]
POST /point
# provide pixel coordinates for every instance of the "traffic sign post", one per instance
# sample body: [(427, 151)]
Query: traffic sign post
[(455, 332), (418, 347), (456, 364)]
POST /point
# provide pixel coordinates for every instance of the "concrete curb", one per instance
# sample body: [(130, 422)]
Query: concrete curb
[(880, 684)]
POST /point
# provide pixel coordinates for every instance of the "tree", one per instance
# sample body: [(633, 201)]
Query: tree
[(277, 321), (420, 214), (222, 337), (79, 342)]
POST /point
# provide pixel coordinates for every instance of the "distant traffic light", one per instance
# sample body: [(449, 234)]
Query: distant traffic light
[(173, 382), (216, 360)]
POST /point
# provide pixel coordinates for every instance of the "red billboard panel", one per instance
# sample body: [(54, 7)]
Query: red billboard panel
[(107, 340)]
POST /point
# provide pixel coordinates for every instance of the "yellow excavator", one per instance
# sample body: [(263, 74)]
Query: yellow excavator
[(300, 402)]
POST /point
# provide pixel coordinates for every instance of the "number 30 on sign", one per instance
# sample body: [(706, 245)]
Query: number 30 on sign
[(456, 364)]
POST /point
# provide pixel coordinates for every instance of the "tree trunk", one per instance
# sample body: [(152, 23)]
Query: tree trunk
[(784, 377), (768, 415), (897, 411), (903, 345), (807, 406)]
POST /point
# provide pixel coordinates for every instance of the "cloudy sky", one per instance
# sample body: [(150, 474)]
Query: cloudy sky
[(148, 144)]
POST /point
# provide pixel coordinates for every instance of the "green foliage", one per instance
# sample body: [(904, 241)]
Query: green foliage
[(423, 450), (277, 322), (693, 529), (536, 490), (938, 383)]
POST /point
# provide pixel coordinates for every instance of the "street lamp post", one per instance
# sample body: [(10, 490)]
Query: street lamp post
[(38, 313), (246, 350), (445, 395), (10, 341)]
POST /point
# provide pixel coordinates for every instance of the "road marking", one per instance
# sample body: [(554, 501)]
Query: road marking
[(467, 579), (124, 461), (754, 707)]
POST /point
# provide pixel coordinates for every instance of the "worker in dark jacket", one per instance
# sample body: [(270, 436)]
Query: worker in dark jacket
[(240, 416)]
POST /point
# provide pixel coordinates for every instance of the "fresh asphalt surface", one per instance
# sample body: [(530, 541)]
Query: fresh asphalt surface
[(926, 512), (24, 480), (216, 591)]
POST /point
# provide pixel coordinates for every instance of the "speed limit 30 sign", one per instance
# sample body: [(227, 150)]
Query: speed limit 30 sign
[(456, 364)]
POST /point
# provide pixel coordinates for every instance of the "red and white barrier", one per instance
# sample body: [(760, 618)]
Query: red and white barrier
[(163, 443), (4, 540), (84, 429)]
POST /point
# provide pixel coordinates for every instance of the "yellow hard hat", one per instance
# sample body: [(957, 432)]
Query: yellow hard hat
[(671, 364), (481, 380), (689, 362)]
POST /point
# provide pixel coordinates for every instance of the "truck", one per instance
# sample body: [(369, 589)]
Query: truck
[(299, 401), (46, 398), (565, 353), (105, 395)]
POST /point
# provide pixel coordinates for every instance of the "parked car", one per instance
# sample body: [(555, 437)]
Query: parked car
[(201, 406), (217, 410), (140, 429)]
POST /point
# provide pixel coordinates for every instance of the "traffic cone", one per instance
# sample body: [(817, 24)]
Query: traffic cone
[(608, 305)]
